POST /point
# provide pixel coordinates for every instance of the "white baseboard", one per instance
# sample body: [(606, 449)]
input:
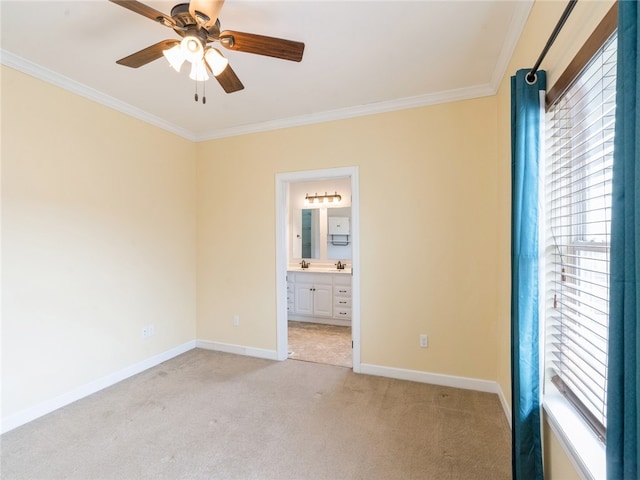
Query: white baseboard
[(60, 401), (505, 405), (48, 406), (440, 379), (238, 349)]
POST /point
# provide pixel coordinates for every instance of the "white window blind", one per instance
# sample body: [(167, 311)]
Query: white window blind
[(580, 131)]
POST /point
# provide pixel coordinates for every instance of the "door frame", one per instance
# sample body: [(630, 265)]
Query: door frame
[(282, 214)]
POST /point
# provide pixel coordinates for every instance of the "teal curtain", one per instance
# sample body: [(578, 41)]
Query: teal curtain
[(624, 337), (525, 374)]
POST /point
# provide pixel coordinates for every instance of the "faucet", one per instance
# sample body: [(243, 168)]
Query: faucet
[(340, 265), (304, 264)]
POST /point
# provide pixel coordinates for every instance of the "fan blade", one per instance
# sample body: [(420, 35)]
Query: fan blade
[(227, 78), (261, 45), (210, 8), (229, 81), (146, 11), (147, 55)]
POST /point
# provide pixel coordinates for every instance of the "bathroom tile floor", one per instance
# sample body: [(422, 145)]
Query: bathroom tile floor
[(318, 343)]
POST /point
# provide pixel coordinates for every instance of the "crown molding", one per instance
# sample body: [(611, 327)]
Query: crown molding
[(357, 111), (33, 69), (30, 68), (516, 26)]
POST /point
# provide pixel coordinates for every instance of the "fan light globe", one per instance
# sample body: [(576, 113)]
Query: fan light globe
[(192, 49), (199, 72), (174, 56), (217, 63)]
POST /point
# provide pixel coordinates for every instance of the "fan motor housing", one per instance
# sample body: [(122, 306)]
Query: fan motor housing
[(186, 24)]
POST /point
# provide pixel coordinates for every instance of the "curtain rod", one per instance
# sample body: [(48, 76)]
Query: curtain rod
[(531, 76)]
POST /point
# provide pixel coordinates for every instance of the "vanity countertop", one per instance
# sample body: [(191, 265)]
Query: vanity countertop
[(312, 269)]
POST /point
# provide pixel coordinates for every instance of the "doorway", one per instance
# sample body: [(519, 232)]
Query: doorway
[(283, 220), (320, 343)]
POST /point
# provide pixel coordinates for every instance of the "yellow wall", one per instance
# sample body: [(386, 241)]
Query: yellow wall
[(557, 465), (542, 19), (428, 224), (99, 239)]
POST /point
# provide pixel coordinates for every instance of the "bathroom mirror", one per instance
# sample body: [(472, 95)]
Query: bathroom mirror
[(310, 233), (315, 237)]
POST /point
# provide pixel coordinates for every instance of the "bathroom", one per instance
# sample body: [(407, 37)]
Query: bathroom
[(319, 246)]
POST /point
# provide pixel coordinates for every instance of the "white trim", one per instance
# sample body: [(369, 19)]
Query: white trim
[(30, 68), (282, 180), (505, 405), (282, 336), (237, 349), (586, 453), (355, 268), (516, 26), (447, 96), (49, 76), (434, 379), (466, 383), (48, 406), (37, 411)]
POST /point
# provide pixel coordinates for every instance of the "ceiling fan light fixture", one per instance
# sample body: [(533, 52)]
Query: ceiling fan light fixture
[(216, 61), (174, 56), (192, 48), (199, 72)]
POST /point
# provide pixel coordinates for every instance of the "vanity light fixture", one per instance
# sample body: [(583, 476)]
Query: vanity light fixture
[(326, 198)]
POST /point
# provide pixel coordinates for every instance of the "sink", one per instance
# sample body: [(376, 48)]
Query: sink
[(313, 269)]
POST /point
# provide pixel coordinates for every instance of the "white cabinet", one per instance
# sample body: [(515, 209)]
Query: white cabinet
[(339, 226), (291, 291), (342, 298), (304, 298), (319, 297), (322, 300), (313, 294)]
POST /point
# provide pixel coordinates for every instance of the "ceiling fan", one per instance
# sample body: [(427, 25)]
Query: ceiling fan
[(198, 25)]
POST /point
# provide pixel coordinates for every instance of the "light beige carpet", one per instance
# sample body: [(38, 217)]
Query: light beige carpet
[(212, 415), (316, 342)]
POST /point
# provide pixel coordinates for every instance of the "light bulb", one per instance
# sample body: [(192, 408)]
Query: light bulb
[(174, 56), (217, 63), (192, 48), (198, 72)]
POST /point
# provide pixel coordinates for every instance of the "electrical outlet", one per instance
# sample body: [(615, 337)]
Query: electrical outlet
[(148, 330), (424, 341), (236, 320)]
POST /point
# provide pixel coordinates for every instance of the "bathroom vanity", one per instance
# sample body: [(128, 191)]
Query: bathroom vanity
[(321, 296)]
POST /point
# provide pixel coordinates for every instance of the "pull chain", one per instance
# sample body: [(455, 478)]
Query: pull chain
[(204, 92)]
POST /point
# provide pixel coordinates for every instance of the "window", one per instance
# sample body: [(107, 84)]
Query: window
[(577, 185)]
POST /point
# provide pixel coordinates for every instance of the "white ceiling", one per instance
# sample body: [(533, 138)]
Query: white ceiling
[(360, 57)]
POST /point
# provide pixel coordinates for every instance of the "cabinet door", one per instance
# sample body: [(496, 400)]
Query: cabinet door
[(304, 298), (323, 300)]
